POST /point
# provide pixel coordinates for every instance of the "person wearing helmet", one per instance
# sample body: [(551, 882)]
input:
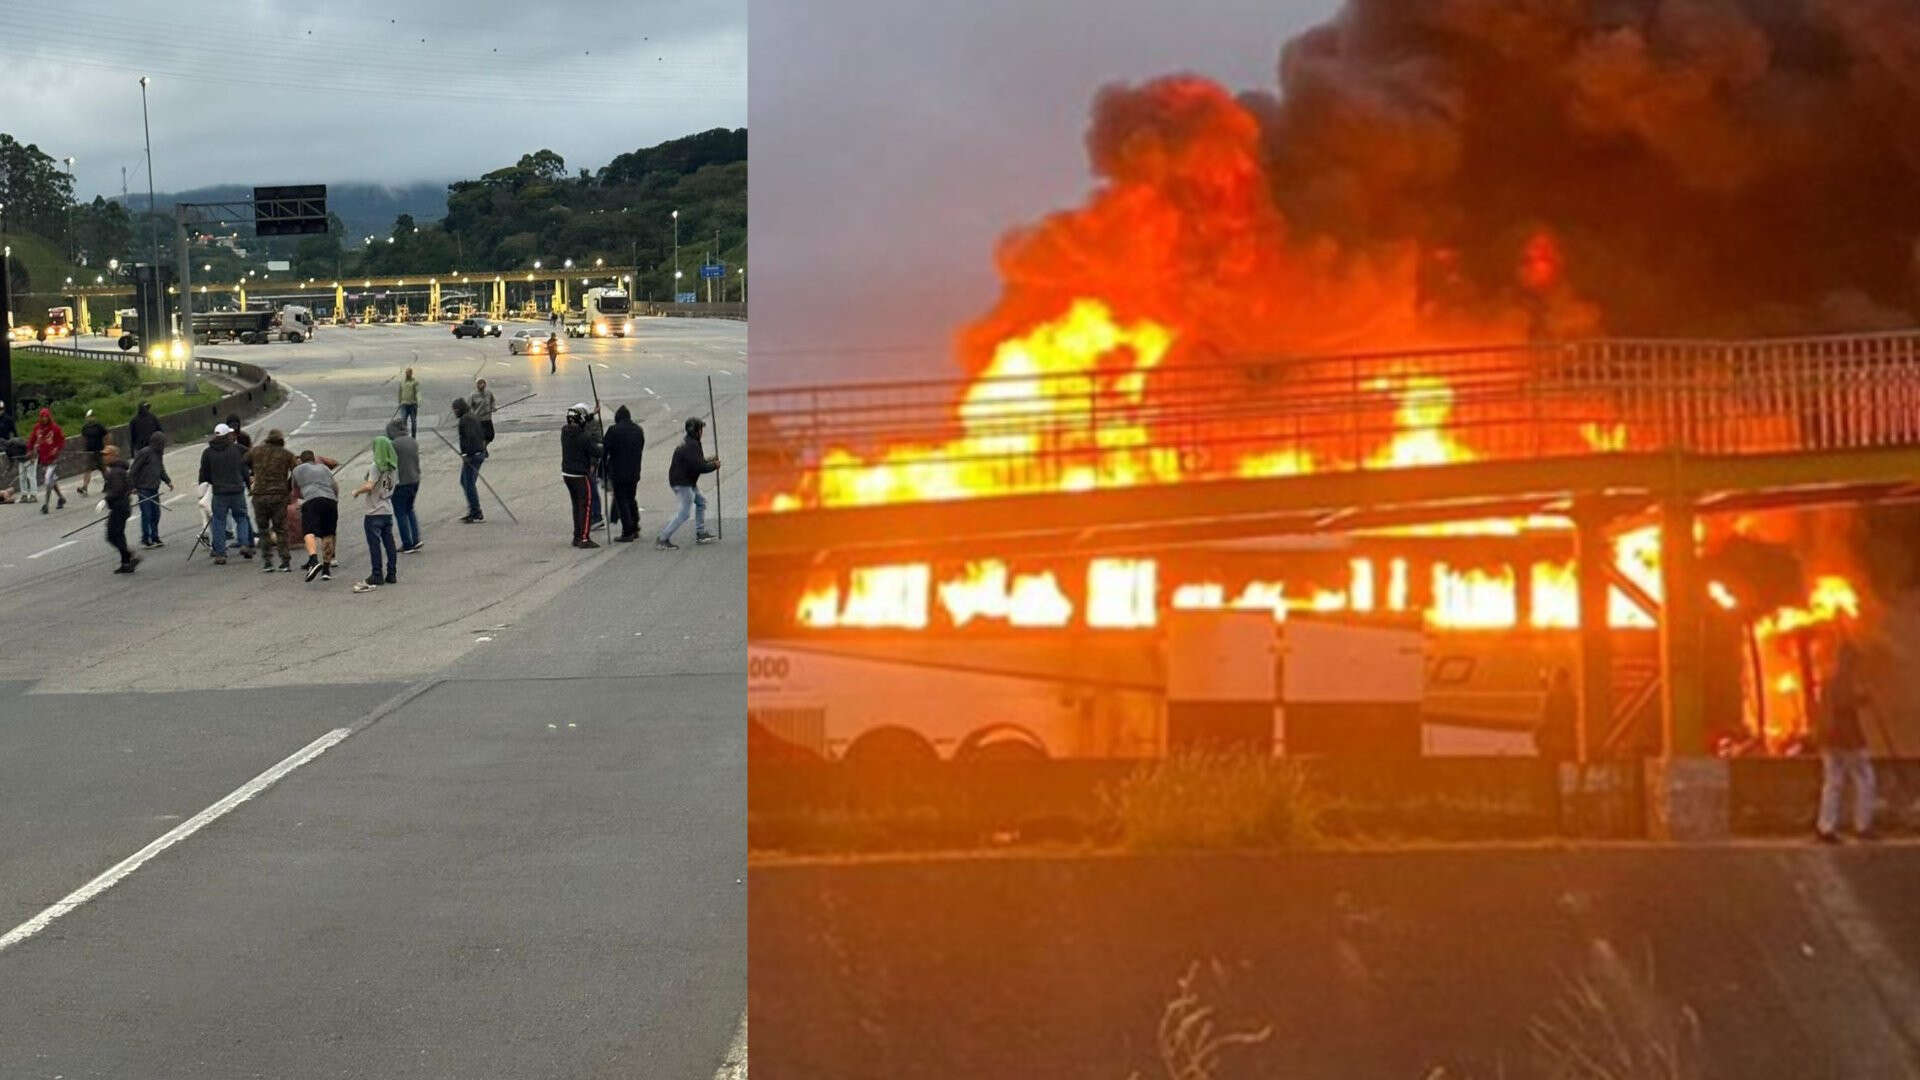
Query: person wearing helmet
[(579, 460), (690, 462)]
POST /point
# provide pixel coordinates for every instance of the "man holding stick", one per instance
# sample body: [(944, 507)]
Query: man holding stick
[(690, 462), (119, 492), (473, 454), (579, 455)]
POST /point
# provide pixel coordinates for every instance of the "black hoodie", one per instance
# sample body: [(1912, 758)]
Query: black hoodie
[(149, 469), (224, 465), (143, 426), (689, 464), (118, 486), (625, 444)]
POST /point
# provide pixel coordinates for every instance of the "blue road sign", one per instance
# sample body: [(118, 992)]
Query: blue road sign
[(683, 298), (713, 270)]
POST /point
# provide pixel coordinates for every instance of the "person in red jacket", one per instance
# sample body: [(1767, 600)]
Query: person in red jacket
[(45, 443)]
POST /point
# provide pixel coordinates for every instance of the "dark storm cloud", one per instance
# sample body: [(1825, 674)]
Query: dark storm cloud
[(258, 91), (894, 143)]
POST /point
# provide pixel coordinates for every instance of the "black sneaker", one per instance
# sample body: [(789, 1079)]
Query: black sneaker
[(266, 566), (663, 544), (246, 553), (44, 508), (326, 571), (704, 538), (390, 580), (585, 544), (158, 543), (626, 538), (219, 560), (313, 567), (63, 503), (286, 566), (132, 562), (410, 549), (1826, 837), (124, 568)]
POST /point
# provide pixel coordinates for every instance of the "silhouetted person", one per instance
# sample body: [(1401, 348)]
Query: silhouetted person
[(1556, 737), (625, 445), (1844, 757)]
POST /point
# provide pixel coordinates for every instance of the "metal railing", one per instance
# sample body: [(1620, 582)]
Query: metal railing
[(819, 446)]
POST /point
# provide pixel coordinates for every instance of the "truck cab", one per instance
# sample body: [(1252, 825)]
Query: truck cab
[(604, 312)]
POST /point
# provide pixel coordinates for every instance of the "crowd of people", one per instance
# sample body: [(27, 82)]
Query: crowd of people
[(264, 499)]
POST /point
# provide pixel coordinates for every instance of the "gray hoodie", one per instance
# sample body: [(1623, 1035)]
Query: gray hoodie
[(407, 450)]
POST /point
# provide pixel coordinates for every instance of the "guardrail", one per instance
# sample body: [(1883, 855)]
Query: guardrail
[(1122, 427)]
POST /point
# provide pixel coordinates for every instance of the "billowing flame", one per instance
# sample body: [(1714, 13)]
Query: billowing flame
[(983, 591), (1832, 596)]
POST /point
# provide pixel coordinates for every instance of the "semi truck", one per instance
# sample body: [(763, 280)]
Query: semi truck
[(59, 323), (290, 323), (604, 312)]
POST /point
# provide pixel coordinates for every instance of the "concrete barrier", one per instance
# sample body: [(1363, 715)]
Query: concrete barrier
[(255, 395), (1791, 960)]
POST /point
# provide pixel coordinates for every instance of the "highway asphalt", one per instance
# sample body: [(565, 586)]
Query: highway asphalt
[(520, 854)]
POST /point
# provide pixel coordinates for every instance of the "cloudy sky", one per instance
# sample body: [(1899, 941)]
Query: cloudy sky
[(893, 143), (272, 91)]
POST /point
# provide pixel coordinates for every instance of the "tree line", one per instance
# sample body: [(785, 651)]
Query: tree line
[(532, 211)]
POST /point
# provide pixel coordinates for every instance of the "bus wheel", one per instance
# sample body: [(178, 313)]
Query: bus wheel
[(296, 337), (1000, 744), (891, 748)]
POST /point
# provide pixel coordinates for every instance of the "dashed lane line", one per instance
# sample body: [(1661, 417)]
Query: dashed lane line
[(53, 549), (116, 873)]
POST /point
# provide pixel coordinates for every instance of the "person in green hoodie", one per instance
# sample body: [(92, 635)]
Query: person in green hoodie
[(410, 403), (382, 478)]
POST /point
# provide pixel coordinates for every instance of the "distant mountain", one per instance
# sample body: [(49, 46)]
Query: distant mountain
[(366, 209)]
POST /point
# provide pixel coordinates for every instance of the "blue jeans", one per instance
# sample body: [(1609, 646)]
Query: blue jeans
[(379, 537), (149, 515), (234, 504), (404, 518), (470, 480), (1836, 768), (691, 502), (412, 413), (593, 499)]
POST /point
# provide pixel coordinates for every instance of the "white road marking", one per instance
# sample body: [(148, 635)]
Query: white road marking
[(603, 367), (180, 832), (53, 549), (689, 363), (624, 375), (724, 371), (649, 390)]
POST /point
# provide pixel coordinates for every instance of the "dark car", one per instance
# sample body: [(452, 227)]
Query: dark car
[(476, 328)]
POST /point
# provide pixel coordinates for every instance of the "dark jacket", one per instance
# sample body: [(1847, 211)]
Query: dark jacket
[(149, 469), (6, 424), (1840, 702), (143, 425), (224, 465), (93, 436), (472, 439), (625, 445), (579, 450), (118, 487), (271, 465), (407, 450), (689, 464)]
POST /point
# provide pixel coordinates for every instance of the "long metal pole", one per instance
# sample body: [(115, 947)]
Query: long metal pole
[(186, 292), (151, 233), (719, 508)]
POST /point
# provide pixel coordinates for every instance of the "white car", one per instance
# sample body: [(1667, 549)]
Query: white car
[(531, 343)]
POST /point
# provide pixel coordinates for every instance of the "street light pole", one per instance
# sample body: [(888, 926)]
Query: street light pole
[(676, 256), (70, 248), (159, 292)]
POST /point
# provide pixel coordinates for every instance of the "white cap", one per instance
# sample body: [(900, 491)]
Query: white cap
[(581, 406), (222, 429)]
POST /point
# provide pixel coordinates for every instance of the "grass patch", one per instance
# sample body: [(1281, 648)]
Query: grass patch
[(113, 391), (1199, 801)]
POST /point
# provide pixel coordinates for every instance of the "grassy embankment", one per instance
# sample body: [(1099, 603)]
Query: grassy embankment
[(112, 390)]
